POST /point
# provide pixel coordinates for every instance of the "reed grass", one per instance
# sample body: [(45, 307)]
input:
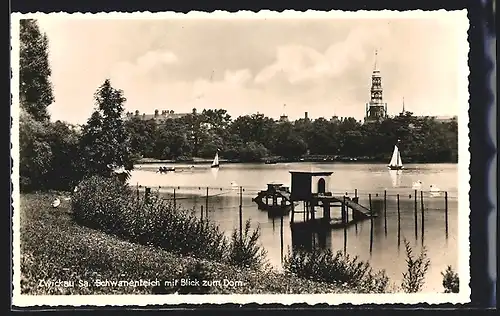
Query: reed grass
[(324, 265), (54, 247)]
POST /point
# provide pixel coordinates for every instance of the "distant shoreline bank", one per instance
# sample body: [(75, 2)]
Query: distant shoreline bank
[(272, 160)]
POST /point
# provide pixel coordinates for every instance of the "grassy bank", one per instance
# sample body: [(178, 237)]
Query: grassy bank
[(54, 247)]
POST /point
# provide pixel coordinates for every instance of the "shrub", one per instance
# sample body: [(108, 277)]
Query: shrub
[(109, 205), (414, 277), (99, 202), (246, 251), (451, 281), (196, 274), (324, 266)]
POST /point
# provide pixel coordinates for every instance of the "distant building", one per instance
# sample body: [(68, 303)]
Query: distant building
[(376, 110), (158, 117), (445, 119)]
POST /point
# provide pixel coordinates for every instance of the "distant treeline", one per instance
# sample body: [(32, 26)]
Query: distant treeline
[(255, 137)]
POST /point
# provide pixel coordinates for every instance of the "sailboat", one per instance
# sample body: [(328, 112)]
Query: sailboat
[(396, 163), (215, 163)]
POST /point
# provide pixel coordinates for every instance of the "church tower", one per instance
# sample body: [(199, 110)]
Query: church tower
[(376, 110)]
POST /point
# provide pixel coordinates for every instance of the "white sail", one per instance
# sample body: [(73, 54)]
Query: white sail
[(396, 158), (215, 163)]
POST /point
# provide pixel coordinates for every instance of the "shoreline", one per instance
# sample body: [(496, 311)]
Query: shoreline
[(324, 159), (114, 262)]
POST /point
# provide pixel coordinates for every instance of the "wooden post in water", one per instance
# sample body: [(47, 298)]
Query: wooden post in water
[(206, 201), (304, 208), (147, 194), (281, 237), (241, 213), (292, 206), (355, 193), (201, 212), (307, 210), (446, 212), (343, 211), (385, 212), (415, 214), (423, 216), (399, 221), (175, 202), (371, 223)]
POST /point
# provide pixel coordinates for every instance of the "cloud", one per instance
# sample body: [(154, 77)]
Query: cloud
[(238, 77), (154, 58), (145, 64), (301, 63)]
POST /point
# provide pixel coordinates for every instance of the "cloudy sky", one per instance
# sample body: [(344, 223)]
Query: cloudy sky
[(322, 66)]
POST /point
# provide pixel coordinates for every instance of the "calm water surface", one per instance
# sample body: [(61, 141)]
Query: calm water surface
[(223, 202)]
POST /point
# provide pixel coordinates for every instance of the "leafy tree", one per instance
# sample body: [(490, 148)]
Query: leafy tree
[(197, 130), (49, 157), (143, 136), (172, 140), (252, 152), (67, 168), (35, 88), (105, 143)]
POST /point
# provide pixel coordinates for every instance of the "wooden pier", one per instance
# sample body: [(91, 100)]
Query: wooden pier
[(278, 195), (310, 188)]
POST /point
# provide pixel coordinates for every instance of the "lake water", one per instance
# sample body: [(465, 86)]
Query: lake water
[(191, 184)]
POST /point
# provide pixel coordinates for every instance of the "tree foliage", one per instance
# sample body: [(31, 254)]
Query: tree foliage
[(35, 88), (254, 137), (105, 142), (48, 154)]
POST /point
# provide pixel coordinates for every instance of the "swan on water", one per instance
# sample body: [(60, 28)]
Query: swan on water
[(56, 202), (417, 185), (234, 185), (435, 191)]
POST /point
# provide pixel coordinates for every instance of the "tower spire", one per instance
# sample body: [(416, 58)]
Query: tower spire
[(375, 64), (403, 105)]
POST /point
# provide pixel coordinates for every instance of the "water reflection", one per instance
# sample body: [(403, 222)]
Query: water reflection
[(395, 177), (307, 239), (384, 238)]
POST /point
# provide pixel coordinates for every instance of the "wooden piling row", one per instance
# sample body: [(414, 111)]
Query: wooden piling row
[(309, 214)]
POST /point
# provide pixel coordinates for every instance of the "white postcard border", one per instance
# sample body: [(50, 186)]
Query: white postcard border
[(286, 299)]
